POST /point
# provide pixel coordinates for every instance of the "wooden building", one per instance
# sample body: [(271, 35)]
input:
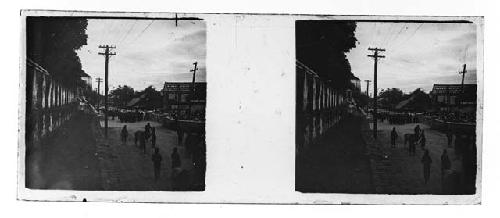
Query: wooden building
[(180, 99)]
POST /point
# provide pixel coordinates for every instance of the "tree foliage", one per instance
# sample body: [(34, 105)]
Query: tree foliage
[(389, 98), (52, 42), (122, 95), (417, 101), (421, 101), (321, 45), (151, 98)]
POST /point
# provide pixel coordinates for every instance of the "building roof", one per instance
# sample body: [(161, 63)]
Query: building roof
[(182, 86), (403, 103), (133, 102), (200, 89), (453, 89)]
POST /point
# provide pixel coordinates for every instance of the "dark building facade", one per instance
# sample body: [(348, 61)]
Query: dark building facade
[(180, 99), (451, 97), (317, 107)]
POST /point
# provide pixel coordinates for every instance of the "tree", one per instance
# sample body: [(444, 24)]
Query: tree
[(52, 42), (321, 45), (389, 98), (151, 99), (421, 101), (122, 95)]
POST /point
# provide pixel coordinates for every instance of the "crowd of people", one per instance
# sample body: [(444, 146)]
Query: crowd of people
[(457, 117), (398, 118)]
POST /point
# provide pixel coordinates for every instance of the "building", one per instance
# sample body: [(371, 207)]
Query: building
[(318, 106), (178, 98), (451, 97), (356, 83)]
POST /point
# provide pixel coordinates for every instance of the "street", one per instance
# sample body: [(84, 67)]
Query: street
[(129, 169), (405, 173)]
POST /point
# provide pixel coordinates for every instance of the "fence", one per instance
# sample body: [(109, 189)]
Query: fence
[(318, 106), (48, 105)]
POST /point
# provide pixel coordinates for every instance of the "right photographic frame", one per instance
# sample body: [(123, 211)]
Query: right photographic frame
[(388, 106)]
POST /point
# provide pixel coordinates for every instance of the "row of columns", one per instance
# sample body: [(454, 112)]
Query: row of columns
[(49, 104), (319, 107)]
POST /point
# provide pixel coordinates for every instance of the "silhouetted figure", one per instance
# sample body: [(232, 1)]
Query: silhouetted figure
[(153, 137), (426, 161), (176, 159), (412, 145), (394, 136), (147, 130), (124, 134), (449, 136), (140, 136), (422, 139), (445, 162), (417, 130), (156, 157), (180, 136)]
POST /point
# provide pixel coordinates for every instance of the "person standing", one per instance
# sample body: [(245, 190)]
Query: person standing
[(426, 161), (180, 133), (142, 143), (417, 130), (422, 139), (156, 158), (147, 130), (445, 162), (394, 136), (180, 136), (176, 159), (124, 134), (449, 136), (153, 137)]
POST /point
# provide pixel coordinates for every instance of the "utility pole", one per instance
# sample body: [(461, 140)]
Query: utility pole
[(192, 87), (464, 71), (106, 54), (375, 57), (99, 81), (367, 86)]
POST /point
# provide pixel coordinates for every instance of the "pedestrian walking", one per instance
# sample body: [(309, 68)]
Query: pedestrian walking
[(124, 134), (426, 161), (445, 162), (394, 136), (176, 159), (153, 137), (156, 158)]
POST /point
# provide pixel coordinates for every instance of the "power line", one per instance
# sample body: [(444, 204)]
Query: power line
[(396, 36), (128, 32), (140, 34)]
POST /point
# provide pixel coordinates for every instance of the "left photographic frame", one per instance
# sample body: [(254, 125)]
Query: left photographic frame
[(113, 103)]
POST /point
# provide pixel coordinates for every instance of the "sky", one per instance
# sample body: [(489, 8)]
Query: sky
[(417, 55), (148, 52)]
